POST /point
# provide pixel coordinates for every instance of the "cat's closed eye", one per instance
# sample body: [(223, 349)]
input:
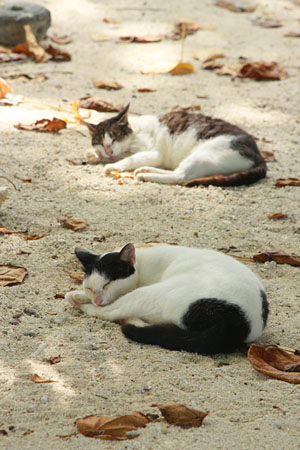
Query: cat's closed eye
[(106, 284)]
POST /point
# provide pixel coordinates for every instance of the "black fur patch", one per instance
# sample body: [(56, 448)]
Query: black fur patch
[(265, 307), (246, 146), (112, 267)]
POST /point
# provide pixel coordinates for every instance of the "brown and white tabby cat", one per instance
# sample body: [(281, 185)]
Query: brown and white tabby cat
[(179, 147)]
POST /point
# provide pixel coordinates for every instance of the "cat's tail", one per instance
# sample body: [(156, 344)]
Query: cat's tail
[(206, 342), (234, 179)]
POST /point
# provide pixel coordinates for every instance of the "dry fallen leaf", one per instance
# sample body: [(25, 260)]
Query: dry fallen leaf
[(112, 428), (40, 380), (4, 230), (181, 415), (45, 125), (57, 54), (77, 276), (287, 182), (60, 39), (112, 21), (25, 77), (267, 23), (191, 27), (4, 88), (74, 224), (234, 8), (114, 85), (145, 89), (182, 68), (278, 216), (295, 34), (274, 362), (54, 359), (34, 237), (31, 47), (268, 156), (208, 54), (140, 39), (99, 104), (255, 70), (278, 256), (11, 275)]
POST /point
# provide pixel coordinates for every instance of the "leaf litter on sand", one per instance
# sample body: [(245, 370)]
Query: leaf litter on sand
[(99, 104), (44, 125), (109, 85), (181, 415), (31, 47), (77, 276), (278, 216), (4, 88), (287, 182), (278, 256), (74, 224), (40, 380), (274, 362), (257, 71), (11, 275), (234, 8)]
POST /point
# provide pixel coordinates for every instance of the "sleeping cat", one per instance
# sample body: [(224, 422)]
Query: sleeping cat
[(179, 147), (191, 299)]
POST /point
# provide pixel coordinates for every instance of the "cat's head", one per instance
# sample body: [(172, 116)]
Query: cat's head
[(107, 276), (111, 137)]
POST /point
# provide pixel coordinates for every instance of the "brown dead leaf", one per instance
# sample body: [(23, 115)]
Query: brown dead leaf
[(54, 359), (114, 85), (208, 54), (274, 362), (11, 275), (234, 8), (140, 39), (4, 230), (60, 39), (77, 276), (112, 21), (25, 77), (268, 156), (181, 415), (57, 54), (295, 34), (40, 380), (44, 125), (74, 224), (266, 23), (191, 27), (31, 47), (99, 104), (278, 216), (111, 428), (4, 88), (34, 237), (182, 68), (278, 256), (287, 182), (145, 89), (255, 70)]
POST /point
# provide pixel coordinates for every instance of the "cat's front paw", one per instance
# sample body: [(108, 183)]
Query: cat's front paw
[(92, 157), (76, 298), (109, 168)]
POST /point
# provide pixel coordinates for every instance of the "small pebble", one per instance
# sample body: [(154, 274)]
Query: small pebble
[(30, 333)]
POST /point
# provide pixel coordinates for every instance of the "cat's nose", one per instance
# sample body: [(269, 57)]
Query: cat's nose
[(98, 301), (109, 152)]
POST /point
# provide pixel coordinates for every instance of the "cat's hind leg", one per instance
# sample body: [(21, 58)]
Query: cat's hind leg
[(168, 177)]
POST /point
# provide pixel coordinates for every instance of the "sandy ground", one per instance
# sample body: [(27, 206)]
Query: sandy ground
[(100, 371)]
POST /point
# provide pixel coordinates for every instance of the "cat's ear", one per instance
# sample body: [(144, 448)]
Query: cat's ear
[(127, 254), (86, 257), (91, 127), (122, 117)]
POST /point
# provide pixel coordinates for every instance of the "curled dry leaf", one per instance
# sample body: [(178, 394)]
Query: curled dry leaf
[(274, 362), (295, 34), (11, 275), (54, 359), (4, 230), (34, 237), (25, 77), (278, 216), (191, 27), (182, 68), (234, 8), (114, 85), (74, 224), (111, 428), (287, 182), (60, 39), (4, 88), (145, 89), (268, 156), (112, 21), (140, 39), (31, 47), (182, 415), (77, 276), (278, 256), (40, 380), (208, 54), (267, 23), (57, 54), (255, 70), (99, 104), (45, 125)]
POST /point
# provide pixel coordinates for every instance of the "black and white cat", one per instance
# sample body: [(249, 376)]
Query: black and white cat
[(179, 147), (191, 299)]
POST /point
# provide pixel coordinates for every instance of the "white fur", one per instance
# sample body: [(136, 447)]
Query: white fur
[(182, 156), (167, 280)]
